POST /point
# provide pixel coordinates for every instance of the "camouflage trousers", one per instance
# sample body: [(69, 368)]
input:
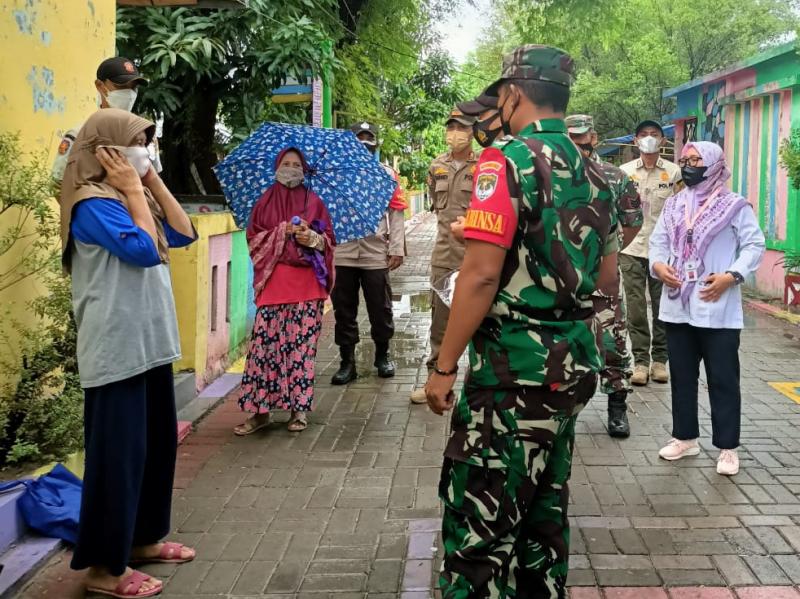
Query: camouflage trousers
[(505, 527), (610, 314)]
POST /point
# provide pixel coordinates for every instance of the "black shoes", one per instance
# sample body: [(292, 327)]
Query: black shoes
[(383, 362), (347, 369), (618, 415)]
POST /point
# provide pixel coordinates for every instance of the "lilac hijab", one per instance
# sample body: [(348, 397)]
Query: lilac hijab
[(716, 217)]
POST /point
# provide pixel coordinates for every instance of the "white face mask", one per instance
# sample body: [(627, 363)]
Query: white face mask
[(648, 145), (124, 99), (138, 156)]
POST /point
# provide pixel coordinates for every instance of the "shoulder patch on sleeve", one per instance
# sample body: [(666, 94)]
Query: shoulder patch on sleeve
[(63, 147), (490, 170)]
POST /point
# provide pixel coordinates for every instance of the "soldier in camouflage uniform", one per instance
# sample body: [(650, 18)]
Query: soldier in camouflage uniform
[(537, 232), (615, 380)]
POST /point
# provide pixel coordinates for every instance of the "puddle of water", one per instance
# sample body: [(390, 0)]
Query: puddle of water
[(409, 347), (407, 351), (410, 303)]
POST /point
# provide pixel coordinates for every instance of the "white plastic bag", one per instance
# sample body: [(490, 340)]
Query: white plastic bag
[(445, 287)]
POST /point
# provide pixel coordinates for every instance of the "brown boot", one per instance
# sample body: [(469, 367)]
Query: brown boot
[(641, 374), (659, 373)]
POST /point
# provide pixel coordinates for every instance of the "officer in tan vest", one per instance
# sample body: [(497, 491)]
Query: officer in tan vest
[(450, 190), (117, 84), (364, 264)]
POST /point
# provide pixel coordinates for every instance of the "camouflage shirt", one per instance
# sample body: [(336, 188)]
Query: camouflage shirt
[(536, 196), (626, 196)]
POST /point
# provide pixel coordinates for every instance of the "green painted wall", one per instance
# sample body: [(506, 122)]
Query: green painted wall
[(777, 68), (237, 288)]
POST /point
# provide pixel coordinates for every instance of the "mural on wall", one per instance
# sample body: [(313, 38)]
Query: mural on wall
[(714, 125)]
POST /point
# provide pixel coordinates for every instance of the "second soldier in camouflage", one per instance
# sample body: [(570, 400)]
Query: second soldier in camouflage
[(609, 304)]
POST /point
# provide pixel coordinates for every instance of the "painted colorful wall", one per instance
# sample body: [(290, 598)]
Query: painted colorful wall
[(212, 280), (749, 109), (47, 87)]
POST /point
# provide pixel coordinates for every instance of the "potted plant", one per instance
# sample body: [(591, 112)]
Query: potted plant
[(790, 160), (791, 279)]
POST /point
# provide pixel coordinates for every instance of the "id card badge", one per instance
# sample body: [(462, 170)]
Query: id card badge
[(690, 269)]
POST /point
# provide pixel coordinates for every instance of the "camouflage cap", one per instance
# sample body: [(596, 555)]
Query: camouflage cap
[(459, 117), (536, 62), (578, 124)]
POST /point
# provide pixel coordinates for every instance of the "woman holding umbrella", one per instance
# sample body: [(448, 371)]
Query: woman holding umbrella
[(291, 244)]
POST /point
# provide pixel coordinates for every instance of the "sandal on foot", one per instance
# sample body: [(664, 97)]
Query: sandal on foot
[(297, 423), (251, 425), (171, 553), (129, 587)]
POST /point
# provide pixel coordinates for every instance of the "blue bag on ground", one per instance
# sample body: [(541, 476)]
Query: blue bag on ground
[(51, 504)]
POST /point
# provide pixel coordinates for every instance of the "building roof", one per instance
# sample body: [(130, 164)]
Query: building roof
[(743, 64)]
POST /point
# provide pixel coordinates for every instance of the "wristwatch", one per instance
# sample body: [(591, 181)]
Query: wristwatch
[(441, 372), (736, 276)]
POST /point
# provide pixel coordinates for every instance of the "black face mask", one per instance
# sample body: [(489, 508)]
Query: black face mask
[(588, 148), (506, 124), (693, 175), (484, 134)]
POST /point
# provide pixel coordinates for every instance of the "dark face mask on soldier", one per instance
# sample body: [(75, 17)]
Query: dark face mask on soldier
[(484, 133), (506, 122)]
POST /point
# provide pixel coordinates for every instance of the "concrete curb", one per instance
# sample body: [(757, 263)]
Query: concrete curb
[(771, 310)]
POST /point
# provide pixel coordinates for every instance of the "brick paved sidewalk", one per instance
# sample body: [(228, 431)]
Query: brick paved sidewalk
[(349, 508)]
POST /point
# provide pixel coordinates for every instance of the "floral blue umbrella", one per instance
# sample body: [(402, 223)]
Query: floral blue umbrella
[(355, 188)]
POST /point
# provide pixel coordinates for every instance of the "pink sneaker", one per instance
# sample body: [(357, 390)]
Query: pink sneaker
[(677, 449), (728, 462)]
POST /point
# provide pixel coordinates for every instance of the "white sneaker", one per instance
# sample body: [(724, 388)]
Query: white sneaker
[(677, 449), (728, 462), (418, 396)]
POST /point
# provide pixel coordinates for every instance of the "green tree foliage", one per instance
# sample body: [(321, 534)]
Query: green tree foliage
[(41, 403), (790, 157), (29, 223), (630, 51), (210, 66), (217, 67), (396, 75)]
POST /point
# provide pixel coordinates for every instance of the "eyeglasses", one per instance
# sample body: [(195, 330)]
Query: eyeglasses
[(690, 161)]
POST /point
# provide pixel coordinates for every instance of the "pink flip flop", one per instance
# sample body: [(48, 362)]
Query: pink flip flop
[(129, 587), (170, 554)]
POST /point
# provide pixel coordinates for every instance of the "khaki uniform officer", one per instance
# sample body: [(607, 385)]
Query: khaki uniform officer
[(655, 179), (117, 85), (365, 264), (450, 189)]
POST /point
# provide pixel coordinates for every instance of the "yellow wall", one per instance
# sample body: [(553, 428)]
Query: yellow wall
[(190, 284), (50, 51)]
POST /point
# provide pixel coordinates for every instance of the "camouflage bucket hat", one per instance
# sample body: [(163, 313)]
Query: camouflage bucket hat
[(538, 63), (578, 124)]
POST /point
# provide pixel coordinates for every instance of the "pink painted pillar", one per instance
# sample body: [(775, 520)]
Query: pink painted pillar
[(782, 194), (219, 260)]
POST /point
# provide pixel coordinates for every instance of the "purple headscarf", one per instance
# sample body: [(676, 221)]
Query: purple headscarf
[(718, 215)]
